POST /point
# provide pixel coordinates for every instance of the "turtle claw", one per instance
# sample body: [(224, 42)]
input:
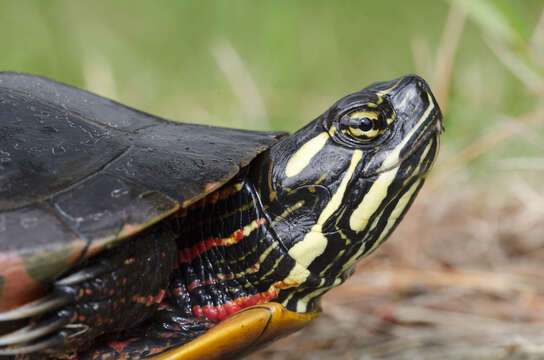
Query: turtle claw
[(81, 276), (37, 307), (30, 332), (35, 336), (28, 349), (119, 290), (45, 337)]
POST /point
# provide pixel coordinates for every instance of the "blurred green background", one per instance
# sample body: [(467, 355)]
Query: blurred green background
[(276, 65)]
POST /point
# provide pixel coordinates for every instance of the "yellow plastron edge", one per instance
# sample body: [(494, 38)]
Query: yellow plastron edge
[(242, 333)]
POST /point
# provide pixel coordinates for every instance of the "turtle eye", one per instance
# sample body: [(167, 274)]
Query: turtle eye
[(363, 125)]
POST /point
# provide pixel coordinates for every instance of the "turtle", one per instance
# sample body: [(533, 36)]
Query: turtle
[(126, 235)]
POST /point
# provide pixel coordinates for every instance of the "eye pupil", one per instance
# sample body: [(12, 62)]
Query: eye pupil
[(365, 124)]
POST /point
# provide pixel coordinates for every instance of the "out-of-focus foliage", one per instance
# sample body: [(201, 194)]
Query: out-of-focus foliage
[(516, 38), (503, 18), (277, 65)]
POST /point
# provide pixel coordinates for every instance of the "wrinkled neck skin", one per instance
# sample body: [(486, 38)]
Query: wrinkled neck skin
[(234, 249), (228, 257)]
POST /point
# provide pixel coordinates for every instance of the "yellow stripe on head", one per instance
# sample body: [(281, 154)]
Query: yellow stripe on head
[(368, 114), (303, 156)]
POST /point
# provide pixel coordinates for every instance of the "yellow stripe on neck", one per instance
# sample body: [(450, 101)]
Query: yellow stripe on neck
[(314, 243)]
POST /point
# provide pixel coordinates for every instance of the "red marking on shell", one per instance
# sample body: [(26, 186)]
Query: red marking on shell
[(88, 291), (129, 230), (19, 288), (78, 246), (119, 346), (95, 247), (212, 186), (129, 261)]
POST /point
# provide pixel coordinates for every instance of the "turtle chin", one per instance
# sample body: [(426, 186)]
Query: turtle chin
[(422, 156)]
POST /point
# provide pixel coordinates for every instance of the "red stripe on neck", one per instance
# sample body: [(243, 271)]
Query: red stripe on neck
[(188, 254)]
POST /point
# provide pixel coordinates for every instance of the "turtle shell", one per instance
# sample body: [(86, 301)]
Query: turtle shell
[(79, 173)]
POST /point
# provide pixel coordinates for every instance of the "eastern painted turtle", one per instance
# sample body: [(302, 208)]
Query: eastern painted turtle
[(124, 235)]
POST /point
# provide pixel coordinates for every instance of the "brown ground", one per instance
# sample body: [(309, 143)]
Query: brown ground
[(461, 278)]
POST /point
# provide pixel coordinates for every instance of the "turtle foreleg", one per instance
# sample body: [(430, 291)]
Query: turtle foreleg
[(118, 289), (168, 328)]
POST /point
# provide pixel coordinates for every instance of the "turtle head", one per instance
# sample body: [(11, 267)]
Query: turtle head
[(339, 186)]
